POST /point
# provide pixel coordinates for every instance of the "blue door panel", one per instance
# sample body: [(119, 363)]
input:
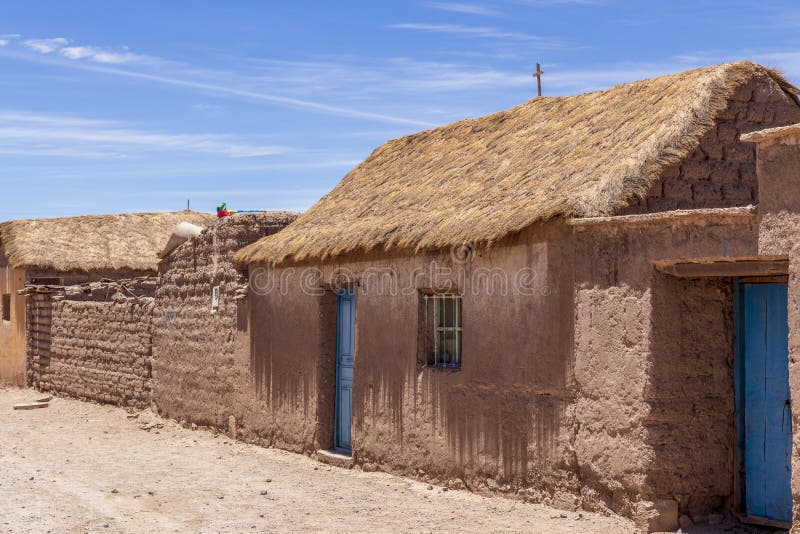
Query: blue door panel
[(767, 410), (345, 348)]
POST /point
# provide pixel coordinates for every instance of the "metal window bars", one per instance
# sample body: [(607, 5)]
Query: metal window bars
[(445, 329)]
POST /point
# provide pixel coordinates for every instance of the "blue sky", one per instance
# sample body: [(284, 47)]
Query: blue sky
[(136, 106)]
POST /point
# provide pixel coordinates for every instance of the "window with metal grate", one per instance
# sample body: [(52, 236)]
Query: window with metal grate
[(442, 330)]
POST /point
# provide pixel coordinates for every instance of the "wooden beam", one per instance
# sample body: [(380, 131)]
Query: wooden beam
[(724, 267)]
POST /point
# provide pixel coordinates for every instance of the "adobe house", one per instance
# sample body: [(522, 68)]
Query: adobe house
[(69, 251), (201, 340), (572, 301)]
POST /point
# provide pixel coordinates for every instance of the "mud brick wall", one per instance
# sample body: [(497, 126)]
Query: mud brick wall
[(722, 170), (92, 343), (690, 394), (202, 366), (38, 337)]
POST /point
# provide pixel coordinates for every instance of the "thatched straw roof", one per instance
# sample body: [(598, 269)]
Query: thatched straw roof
[(478, 180), (93, 242)]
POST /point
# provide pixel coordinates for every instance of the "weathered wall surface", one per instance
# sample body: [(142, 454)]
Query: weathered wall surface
[(503, 416), (652, 354), (722, 171), (95, 346), (202, 360), (503, 419), (12, 333), (779, 234), (571, 391)]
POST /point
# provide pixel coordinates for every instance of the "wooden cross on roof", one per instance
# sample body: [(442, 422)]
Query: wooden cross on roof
[(538, 76)]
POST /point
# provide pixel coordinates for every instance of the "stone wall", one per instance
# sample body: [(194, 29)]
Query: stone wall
[(722, 170), (202, 364), (92, 342)]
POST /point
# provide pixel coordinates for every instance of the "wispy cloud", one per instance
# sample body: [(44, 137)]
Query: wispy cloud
[(212, 87), (398, 75), (100, 55), (6, 38), (63, 46), (46, 46), (468, 9), (560, 2), (484, 32), (54, 135)]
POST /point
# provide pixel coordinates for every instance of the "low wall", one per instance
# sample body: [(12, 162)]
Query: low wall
[(93, 342)]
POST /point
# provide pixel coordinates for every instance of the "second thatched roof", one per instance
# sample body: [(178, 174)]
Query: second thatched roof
[(129, 241), (479, 180)]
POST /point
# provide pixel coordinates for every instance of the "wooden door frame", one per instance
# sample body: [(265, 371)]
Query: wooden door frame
[(336, 420)]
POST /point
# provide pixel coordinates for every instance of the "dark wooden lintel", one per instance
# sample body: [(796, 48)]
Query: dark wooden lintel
[(724, 267)]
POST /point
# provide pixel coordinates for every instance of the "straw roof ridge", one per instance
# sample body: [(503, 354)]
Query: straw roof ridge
[(478, 180), (128, 241)]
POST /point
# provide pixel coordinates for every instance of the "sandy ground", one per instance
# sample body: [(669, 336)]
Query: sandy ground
[(80, 467)]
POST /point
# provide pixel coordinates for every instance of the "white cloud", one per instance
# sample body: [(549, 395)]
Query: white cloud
[(486, 32), (468, 9), (57, 135), (100, 55), (64, 47), (5, 39), (46, 46)]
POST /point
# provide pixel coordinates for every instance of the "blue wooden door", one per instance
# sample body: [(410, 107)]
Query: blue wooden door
[(345, 348), (767, 408)]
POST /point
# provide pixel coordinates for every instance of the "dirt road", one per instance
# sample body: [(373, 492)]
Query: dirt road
[(79, 467)]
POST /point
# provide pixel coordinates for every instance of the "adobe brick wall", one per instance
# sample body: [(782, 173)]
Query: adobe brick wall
[(722, 170), (202, 366), (93, 345)]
